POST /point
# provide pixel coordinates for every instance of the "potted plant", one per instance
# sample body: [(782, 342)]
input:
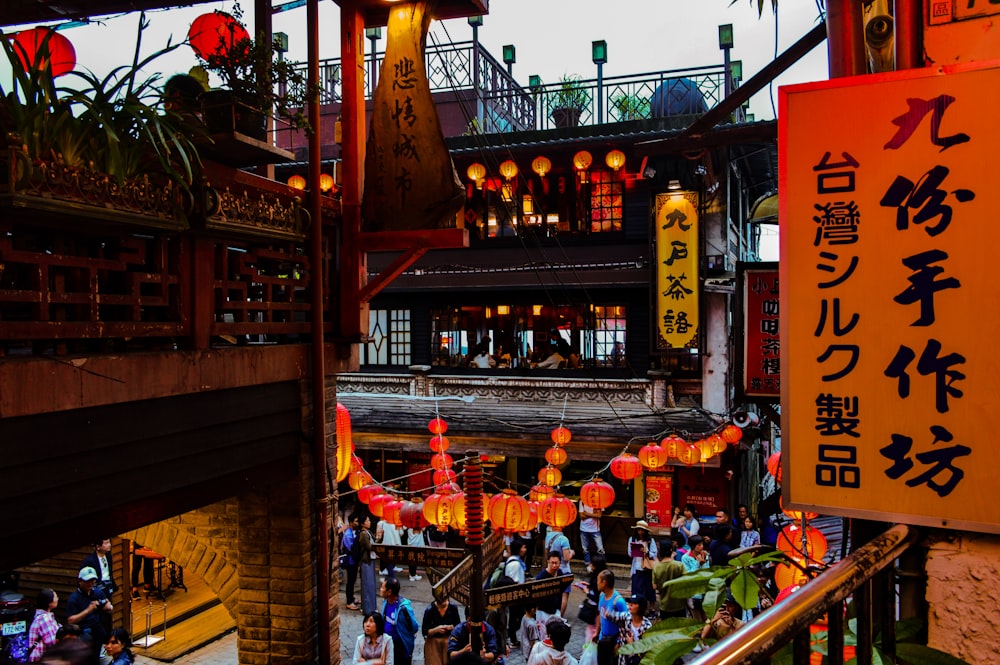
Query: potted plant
[(631, 107), (568, 100), (256, 82)]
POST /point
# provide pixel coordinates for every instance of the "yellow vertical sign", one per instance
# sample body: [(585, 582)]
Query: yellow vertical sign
[(888, 292), (677, 270)]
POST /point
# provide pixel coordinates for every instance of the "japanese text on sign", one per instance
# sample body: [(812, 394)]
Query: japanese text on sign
[(761, 337), (677, 270)]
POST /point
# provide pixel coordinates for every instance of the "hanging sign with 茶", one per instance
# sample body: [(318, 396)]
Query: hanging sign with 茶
[(888, 281), (410, 181), (677, 270)]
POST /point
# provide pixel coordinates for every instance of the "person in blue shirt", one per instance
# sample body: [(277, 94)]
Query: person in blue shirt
[(351, 548), (611, 606), (400, 622), (460, 642), (556, 541)]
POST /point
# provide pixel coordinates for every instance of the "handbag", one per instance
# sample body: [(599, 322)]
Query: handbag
[(588, 609), (647, 563)]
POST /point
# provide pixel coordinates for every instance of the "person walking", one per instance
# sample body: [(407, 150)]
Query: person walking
[(367, 567), (400, 622), (610, 606), (666, 569), (415, 538), (590, 532), (642, 549), (515, 569), (350, 547), (440, 618)]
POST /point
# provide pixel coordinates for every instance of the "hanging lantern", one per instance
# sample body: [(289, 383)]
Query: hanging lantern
[(439, 443), (437, 426), (509, 512), (558, 511), (626, 467), (345, 442), (652, 456), (444, 477), (46, 46), (460, 510), (792, 587), (582, 160), (377, 504), (790, 542), (325, 182), (541, 492), (412, 515), (441, 461), (550, 475), (366, 493), (717, 443), (297, 182), (391, 510), (673, 444), (438, 509), (786, 575), (796, 514), (215, 34), (541, 166), (532, 522), (508, 169), (555, 455), (561, 436), (356, 463), (705, 452), (359, 479), (477, 174), (689, 454), (774, 466), (597, 494), (450, 488), (615, 160), (732, 434)]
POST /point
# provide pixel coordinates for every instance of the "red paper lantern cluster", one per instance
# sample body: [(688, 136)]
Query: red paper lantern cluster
[(673, 444), (652, 456), (412, 515), (689, 454), (358, 479), (215, 34), (368, 492), (561, 436), (626, 467), (377, 504), (597, 494), (555, 455), (541, 492), (438, 509), (774, 466), (437, 426), (558, 511), (549, 475), (444, 477), (391, 512), (345, 442), (508, 511), (732, 434), (46, 48), (441, 461), (812, 547), (439, 443)]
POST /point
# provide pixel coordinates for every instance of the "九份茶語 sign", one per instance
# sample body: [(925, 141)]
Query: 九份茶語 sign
[(534, 590), (888, 292), (438, 557), (677, 292), (761, 338)]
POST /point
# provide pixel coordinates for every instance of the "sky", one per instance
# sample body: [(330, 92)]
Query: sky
[(552, 37)]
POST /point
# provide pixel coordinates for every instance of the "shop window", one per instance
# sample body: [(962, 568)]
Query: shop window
[(605, 202), (609, 335), (389, 330)]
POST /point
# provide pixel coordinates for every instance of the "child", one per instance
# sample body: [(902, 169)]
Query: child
[(531, 629)]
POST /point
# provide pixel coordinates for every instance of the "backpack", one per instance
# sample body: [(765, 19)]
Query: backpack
[(494, 577), (18, 648)]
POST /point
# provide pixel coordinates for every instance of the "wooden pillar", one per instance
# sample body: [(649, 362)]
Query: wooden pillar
[(845, 38), (202, 278)]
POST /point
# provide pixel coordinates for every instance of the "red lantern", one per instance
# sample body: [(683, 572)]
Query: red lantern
[(786, 575), (460, 510), (441, 461), (450, 488), (673, 444), (359, 479), (718, 444), (444, 477), (796, 514), (216, 34), (555, 456), (46, 48), (550, 475), (597, 494), (509, 512), (558, 511), (626, 467), (732, 434), (437, 426), (652, 456), (412, 515), (790, 542), (439, 443), (689, 454), (705, 450), (540, 493), (561, 436), (391, 512), (345, 442), (366, 493), (438, 509), (774, 466), (356, 463), (532, 521), (377, 504)]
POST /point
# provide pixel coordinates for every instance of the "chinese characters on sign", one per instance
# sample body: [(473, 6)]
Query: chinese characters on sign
[(659, 498), (761, 338), (534, 590), (888, 291), (677, 270)]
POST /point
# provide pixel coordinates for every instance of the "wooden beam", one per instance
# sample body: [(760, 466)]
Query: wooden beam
[(390, 241), (391, 272)]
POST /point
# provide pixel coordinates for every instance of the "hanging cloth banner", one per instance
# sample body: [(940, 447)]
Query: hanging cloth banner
[(410, 181)]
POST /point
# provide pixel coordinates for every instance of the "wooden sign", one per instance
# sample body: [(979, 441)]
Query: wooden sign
[(459, 575), (437, 557), (534, 590)]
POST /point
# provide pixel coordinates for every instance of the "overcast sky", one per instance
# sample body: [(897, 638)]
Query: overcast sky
[(552, 37)]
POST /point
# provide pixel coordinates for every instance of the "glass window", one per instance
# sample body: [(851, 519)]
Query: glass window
[(390, 343), (605, 202)]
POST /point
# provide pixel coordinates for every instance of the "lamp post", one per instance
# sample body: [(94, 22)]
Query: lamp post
[(726, 44), (535, 85), (476, 22), (509, 57), (373, 35), (736, 70), (599, 54)]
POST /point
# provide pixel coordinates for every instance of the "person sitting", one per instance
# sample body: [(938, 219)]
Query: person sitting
[(483, 359), (552, 361), (460, 641)]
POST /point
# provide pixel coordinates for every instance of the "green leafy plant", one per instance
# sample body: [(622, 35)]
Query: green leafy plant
[(569, 94), (631, 107)]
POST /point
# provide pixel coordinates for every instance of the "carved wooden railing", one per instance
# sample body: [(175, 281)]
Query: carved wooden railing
[(88, 264)]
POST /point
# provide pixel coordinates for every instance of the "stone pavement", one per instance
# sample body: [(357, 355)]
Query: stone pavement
[(223, 650)]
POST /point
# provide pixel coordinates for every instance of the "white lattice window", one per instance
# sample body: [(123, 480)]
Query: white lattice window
[(390, 343)]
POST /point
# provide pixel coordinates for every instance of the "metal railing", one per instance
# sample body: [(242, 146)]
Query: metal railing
[(863, 572), (507, 106)]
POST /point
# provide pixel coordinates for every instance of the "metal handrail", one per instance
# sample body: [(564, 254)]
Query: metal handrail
[(791, 618)]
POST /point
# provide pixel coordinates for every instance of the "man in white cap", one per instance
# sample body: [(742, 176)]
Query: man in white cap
[(87, 608)]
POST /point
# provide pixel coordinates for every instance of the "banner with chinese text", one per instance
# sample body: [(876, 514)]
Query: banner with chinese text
[(659, 498), (888, 297), (677, 270), (761, 339)]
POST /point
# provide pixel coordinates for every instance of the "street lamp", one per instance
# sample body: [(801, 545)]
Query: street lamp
[(726, 44), (373, 35), (599, 54), (476, 22), (509, 57)]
